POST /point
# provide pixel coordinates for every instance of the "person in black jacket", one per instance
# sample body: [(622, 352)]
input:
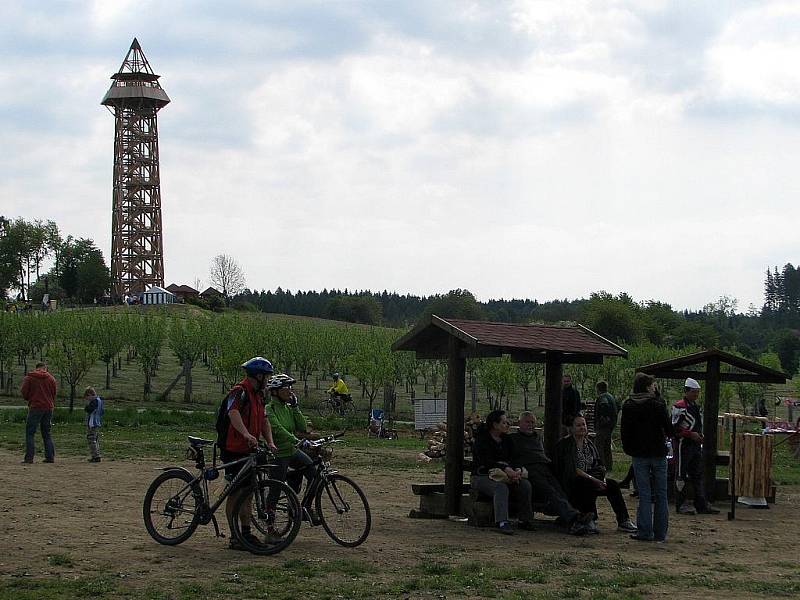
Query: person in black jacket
[(570, 403), (644, 429), (493, 475), (582, 474)]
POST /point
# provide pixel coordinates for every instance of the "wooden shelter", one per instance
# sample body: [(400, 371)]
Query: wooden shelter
[(742, 370), (459, 339)]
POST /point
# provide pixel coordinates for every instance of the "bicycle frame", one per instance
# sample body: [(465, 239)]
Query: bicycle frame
[(207, 510)]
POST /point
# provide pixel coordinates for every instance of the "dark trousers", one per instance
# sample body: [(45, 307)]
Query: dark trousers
[(298, 461), (39, 419), (546, 486), (584, 495), (602, 440), (690, 470)]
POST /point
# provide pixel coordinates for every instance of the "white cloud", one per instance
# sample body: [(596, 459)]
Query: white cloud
[(570, 160)]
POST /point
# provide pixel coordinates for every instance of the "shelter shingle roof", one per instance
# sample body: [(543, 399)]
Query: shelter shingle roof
[(429, 338)]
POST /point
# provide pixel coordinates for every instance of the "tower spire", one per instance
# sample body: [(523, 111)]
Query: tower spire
[(137, 256)]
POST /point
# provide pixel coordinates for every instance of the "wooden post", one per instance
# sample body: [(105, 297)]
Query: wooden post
[(454, 458), (552, 401), (710, 412), (732, 489)]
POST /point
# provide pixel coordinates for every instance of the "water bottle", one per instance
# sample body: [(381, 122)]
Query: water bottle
[(670, 453)]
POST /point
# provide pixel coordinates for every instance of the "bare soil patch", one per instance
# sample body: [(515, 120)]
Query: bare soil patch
[(73, 520)]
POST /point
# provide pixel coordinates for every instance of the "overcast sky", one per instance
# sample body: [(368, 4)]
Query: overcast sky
[(540, 149)]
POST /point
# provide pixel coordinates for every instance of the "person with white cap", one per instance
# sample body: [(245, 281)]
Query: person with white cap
[(687, 421)]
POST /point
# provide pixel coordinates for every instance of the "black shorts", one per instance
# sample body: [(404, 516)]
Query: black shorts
[(231, 472)]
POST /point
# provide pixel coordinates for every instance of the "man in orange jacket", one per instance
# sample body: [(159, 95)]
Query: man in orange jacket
[(39, 391)]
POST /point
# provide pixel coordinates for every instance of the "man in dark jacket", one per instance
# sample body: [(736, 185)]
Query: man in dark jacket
[(644, 428), (687, 420), (570, 403), (605, 420), (39, 391)]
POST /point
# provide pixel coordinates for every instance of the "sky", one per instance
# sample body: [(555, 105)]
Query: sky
[(542, 149)]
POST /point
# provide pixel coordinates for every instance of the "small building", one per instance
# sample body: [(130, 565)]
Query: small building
[(209, 292), (157, 295), (182, 292)]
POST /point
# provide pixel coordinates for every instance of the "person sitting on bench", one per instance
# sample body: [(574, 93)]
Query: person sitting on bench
[(493, 475), (528, 452), (583, 475)]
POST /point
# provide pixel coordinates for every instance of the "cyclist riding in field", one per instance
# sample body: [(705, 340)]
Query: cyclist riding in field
[(245, 409), (286, 419), (339, 389)]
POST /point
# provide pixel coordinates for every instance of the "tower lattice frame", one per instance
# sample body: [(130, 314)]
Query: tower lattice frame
[(137, 253)]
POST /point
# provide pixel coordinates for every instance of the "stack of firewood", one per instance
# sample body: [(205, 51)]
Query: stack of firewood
[(436, 440)]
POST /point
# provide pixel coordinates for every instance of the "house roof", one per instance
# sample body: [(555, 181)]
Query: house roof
[(525, 343), (211, 291), (181, 289), (744, 370)]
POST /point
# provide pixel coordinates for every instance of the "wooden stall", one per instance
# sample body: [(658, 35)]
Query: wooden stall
[(459, 339), (740, 370)]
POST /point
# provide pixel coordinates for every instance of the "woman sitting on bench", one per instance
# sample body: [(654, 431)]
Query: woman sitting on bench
[(583, 476), (493, 475)]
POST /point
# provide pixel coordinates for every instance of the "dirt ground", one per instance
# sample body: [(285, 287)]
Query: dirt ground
[(92, 513)]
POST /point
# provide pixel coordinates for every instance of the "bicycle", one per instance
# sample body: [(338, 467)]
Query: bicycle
[(177, 502), (340, 505), (335, 404)]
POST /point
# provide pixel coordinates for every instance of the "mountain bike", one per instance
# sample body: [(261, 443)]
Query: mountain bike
[(338, 503), (177, 501), (335, 404)]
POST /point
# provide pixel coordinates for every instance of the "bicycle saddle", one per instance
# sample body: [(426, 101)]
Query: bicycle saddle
[(196, 441)]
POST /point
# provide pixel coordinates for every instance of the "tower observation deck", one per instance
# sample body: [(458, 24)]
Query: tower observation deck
[(137, 254)]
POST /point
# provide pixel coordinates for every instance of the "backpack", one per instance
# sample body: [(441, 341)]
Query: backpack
[(223, 420)]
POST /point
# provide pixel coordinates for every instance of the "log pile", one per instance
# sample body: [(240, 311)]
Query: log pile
[(753, 465), (436, 440)]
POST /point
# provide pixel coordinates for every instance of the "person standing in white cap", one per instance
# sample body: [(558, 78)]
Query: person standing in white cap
[(687, 420)]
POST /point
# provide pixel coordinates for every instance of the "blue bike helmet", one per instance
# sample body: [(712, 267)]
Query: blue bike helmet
[(256, 365)]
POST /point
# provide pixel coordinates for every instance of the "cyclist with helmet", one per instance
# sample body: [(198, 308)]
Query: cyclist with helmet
[(245, 410), (287, 421), (339, 389)]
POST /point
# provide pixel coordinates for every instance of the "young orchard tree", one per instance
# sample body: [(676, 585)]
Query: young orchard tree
[(108, 334), (226, 275), (188, 340), (9, 347), (149, 338), (497, 376), (372, 363), (73, 353)]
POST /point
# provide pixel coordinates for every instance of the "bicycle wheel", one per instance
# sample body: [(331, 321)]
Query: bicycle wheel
[(344, 511), (170, 507), (274, 512), (325, 408)]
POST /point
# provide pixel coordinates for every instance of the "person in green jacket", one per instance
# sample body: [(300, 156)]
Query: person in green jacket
[(287, 422)]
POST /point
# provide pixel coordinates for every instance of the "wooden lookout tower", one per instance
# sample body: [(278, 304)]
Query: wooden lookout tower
[(137, 255)]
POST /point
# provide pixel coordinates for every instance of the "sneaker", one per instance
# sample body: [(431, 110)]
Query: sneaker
[(526, 526), (578, 528), (49, 460), (505, 528), (627, 527), (640, 538), (25, 461), (94, 459), (686, 510), (708, 510)]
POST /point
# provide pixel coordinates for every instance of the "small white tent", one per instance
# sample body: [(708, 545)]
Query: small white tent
[(158, 295)]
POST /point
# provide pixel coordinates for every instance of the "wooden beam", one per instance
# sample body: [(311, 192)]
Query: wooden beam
[(454, 455), (702, 375), (710, 412), (552, 402)]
